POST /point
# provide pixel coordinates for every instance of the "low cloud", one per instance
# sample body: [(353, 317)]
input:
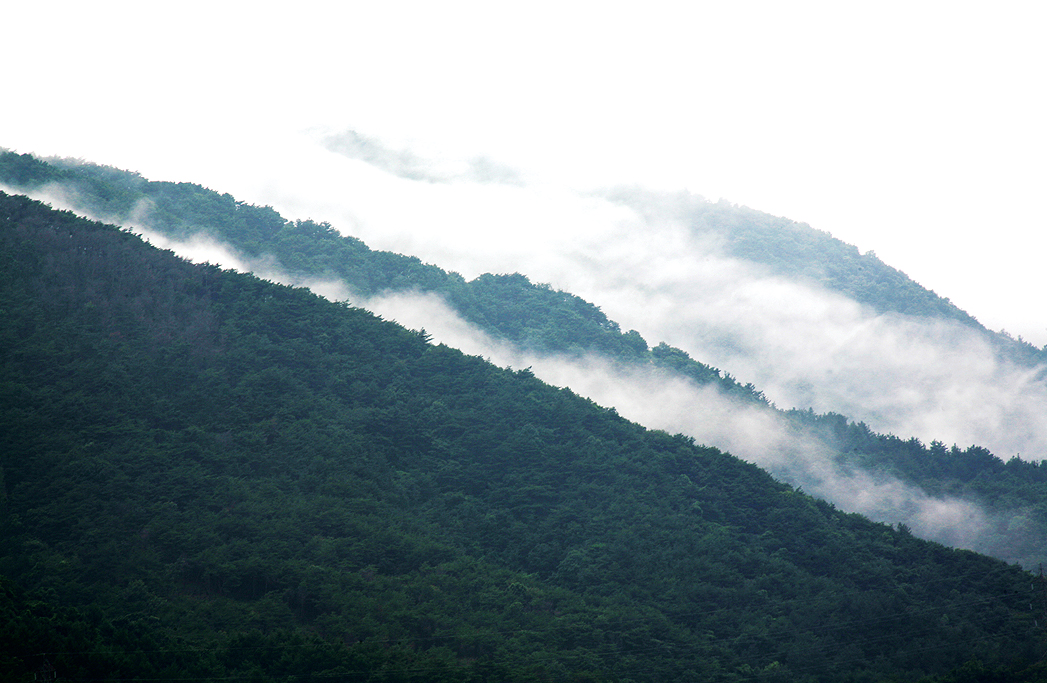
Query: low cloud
[(408, 165), (804, 346), (199, 247), (801, 344)]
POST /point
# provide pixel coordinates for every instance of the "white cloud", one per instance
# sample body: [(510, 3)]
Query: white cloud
[(802, 345), (912, 130)]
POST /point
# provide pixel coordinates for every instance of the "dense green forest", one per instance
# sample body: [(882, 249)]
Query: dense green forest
[(1013, 494), (541, 319), (507, 306), (208, 476)]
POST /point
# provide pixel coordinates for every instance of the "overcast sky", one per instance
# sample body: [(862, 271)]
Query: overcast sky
[(912, 129)]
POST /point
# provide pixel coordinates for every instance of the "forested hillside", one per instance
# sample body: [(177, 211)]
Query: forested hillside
[(208, 476), (795, 249), (544, 320), (509, 307)]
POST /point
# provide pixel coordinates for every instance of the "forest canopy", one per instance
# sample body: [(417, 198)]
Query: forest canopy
[(543, 320), (206, 475)]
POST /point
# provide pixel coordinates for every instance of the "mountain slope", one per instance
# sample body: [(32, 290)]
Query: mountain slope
[(796, 250), (509, 307), (209, 475), (1011, 498)]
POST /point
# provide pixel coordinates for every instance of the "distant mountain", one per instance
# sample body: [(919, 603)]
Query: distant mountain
[(1011, 496), (797, 250), (205, 475)]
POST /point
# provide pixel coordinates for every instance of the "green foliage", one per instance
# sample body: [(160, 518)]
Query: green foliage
[(541, 319), (796, 250), (533, 316), (210, 476), (1013, 494)]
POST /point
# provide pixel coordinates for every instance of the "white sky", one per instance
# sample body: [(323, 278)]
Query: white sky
[(913, 129)]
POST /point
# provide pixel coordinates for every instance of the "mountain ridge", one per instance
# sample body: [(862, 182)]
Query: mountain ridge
[(796, 249)]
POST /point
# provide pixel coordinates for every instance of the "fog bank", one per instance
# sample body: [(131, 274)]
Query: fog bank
[(802, 345)]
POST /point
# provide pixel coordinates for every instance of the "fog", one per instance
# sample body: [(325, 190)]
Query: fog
[(648, 270), (802, 345), (807, 347), (197, 248), (928, 151)]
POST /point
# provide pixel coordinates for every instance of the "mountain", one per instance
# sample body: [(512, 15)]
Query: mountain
[(206, 475), (509, 306), (959, 496), (796, 250)]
